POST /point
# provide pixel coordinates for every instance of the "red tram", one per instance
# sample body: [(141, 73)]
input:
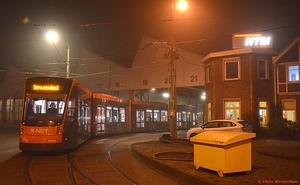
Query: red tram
[(77, 114)]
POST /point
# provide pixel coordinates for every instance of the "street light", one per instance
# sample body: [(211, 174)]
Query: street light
[(52, 36)]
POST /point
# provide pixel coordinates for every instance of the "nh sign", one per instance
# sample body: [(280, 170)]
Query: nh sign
[(252, 40)]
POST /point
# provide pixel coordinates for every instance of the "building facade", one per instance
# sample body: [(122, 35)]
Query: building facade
[(253, 84), (239, 85), (287, 86)]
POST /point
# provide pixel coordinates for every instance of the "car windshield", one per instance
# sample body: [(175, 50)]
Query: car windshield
[(44, 110)]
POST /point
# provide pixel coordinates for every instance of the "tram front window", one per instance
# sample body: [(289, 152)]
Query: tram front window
[(44, 111)]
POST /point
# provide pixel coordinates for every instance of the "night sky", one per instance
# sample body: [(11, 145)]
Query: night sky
[(114, 28)]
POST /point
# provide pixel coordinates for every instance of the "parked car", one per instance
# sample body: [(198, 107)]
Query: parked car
[(222, 125)]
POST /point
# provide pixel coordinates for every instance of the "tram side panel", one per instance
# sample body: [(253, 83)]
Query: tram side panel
[(109, 114), (186, 117), (148, 116)]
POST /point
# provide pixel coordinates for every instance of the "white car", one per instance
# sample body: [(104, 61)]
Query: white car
[(222, 125)]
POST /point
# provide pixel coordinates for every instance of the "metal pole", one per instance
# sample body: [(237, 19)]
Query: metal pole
[(172, 78), (68, 61)]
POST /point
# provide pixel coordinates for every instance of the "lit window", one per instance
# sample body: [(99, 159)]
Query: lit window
[(232, 110), (293, 73), (263, 113), (289, 109)]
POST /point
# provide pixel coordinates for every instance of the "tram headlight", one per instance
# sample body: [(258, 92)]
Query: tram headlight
[(58, 130), (21, 130)]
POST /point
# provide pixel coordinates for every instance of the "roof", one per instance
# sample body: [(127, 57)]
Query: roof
[(290, 52), (238, 52)]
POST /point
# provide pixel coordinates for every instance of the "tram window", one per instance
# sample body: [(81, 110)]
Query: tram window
[(122, 114), (149, 115), (109, 114), (189, 116), (115, 114), (183, 115), (71, 110), (100, 117), (156, 116), (164, 115), (179, 116), (140, 118)]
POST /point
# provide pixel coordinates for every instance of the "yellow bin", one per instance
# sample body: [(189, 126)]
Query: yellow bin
[(223, 151)]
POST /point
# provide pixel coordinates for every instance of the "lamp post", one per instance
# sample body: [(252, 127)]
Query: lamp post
[(53, 37), (172, 54)]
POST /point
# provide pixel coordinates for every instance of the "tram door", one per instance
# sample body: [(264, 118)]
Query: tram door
[(140, 119), (100, 118)]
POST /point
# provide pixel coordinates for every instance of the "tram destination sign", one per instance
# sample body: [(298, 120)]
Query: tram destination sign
[(252, 40), (47, 87)]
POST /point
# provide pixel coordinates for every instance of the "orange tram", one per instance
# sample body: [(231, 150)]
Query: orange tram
[(60, 114)]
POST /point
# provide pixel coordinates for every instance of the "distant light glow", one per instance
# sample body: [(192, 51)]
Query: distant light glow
[(203, 96), (52, 36), (26, 20), (248, 35), (182, 5), (166, 95)]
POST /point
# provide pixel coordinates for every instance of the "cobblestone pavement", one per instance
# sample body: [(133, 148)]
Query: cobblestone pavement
[(273, 162)]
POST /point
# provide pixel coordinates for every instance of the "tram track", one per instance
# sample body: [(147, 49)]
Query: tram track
[(46, 169), (99, 156), (110, 161), (101, 161)]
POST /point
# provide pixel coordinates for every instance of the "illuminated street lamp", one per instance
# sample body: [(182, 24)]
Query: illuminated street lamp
[(172, 54), (53, 37), (182, 5)]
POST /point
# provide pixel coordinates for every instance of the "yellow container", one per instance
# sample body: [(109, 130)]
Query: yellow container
[(223, 151)]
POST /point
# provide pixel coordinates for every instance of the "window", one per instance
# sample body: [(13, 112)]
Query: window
[(100, 118), (164, 116), (208, 74), (18, 109), (9, 109), (232, 110), (211, 125), (262, 69), (140, 115), (232, 68), (122, 115), (263, 113), (208, 111), (149, 115), (194, 118), (109, 114), (156, 117), (115, 114), (184, 116), (179, 118), (289, 109), (288, 78), (293, 72)]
